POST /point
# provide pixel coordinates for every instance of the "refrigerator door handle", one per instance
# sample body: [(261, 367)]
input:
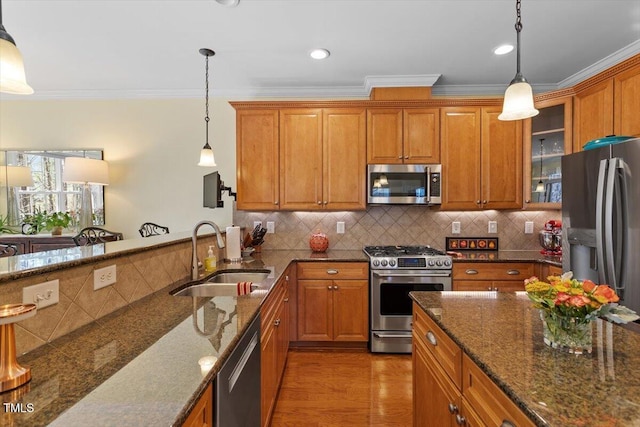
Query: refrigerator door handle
[(600, 237), (609, 252), (622, 175)]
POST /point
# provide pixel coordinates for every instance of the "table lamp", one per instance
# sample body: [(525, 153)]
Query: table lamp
[(85, 171), (14, 177)]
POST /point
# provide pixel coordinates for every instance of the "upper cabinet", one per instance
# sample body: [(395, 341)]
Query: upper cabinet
[(257, 159), (397, 135), (608, 104), (547, 137), (481, 159)]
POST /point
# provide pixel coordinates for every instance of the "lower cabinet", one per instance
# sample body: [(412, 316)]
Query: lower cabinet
[(202, 413), (274, 343), (38, 243), (449, 389), (333, 301), (491, 276)]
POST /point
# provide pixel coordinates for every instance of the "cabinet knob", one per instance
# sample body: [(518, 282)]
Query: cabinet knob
[(329, 287), (286, 277), (277, 322), (400, 157), (477, 202), (489, 288), (453, 408), (432, 338), (484, 202), (460, 420), (325, 202), (406, 157), (335, 288), (286, 300), (496, 289), (275, 203), (527, 201), (319, 202), (471, 271), (513, 272)]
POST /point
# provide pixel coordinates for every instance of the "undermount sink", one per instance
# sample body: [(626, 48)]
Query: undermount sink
[(222, 284)]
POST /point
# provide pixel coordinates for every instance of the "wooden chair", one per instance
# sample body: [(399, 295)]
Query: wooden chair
[(92, 235), (8, 249), (150, 229)]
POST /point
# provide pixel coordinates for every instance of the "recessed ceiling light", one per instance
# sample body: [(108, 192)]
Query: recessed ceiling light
[(230, 3), (503, 49), (319, 53)]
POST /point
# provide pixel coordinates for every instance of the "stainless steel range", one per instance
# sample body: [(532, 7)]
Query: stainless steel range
[(396, 271)]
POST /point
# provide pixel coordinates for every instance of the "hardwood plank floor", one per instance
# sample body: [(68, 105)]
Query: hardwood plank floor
[(344, 388)]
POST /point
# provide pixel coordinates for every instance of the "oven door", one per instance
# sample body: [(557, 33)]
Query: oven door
[(390, 301)]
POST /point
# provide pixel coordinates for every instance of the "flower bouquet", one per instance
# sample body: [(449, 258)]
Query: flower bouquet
[(567, 307)]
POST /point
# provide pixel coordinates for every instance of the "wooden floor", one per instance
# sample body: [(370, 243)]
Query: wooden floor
[(346, 389)]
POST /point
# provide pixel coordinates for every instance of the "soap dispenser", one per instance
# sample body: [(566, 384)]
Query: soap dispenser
[(210, 261)]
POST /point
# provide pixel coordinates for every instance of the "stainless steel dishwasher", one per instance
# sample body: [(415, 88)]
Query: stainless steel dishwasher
[(238, 383)]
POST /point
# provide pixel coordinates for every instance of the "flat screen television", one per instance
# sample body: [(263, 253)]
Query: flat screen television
[(212, 194)]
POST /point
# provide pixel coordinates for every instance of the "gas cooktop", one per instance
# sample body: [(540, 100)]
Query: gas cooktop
[(408, 257)]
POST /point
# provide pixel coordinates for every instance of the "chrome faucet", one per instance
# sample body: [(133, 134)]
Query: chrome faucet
[(194, 242)]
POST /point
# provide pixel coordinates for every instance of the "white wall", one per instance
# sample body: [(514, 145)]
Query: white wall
[(152, 147)]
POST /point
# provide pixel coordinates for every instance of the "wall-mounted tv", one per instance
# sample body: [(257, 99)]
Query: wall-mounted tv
[(212, 194)]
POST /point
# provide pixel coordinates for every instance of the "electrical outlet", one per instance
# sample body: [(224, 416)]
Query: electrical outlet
[(43, 294), (257, 223), (493, 227), (104, 277), (271, 227), (455, 227), (528, 227), (340, 227)]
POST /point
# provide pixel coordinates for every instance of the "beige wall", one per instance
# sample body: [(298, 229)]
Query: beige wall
[(152, 147)]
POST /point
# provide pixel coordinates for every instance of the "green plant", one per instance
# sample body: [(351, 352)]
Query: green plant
[(4, 225), (34, 223), (57, 219)]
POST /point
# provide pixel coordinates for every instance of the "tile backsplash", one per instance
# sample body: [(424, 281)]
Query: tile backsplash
[(396, 225)]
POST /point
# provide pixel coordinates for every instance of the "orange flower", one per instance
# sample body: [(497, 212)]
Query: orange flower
[(579, 301), (561, 298), (588, 285), (605, 294)]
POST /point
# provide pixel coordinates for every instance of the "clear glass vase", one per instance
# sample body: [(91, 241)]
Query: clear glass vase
[(570, 334)]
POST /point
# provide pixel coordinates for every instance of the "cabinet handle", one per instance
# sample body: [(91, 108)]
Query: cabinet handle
[(277, 322), (319, 202), (484, 202), (329, 287), (275, 203), (286, 300), (507, 423), (332, 271), (325, 202), (286, 277), (400, 157), (477, 202), (495, 289), (432, 338), (513, 272), (453, 409), (335, 288), (406, 157), (489, 288), (527, 201), (471, 271), (460, 420)]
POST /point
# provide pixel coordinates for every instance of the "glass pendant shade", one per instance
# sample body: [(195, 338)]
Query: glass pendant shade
[(206, 156), (518, 102), (12, 77), (539, 187)]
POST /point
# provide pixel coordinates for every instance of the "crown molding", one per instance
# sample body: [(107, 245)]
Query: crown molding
[(417, 80)]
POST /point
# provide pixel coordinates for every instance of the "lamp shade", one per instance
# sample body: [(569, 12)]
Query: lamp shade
[(12, 77), (518, 102), (16, 176), (85, 171), (206, 157)]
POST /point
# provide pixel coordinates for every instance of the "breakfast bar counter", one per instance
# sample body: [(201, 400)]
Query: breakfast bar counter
[(502, 333)]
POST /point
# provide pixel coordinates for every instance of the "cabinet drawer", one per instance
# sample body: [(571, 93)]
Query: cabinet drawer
[(491, 404), (492, 270), (443, 349), (333, 270)]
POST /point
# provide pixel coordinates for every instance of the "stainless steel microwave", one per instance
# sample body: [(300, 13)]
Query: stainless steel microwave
[(404, 184)]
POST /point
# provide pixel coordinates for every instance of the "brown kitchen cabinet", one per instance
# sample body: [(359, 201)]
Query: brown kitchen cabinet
[(202, 413), (274, 345), (481, 159), (257, 159), (333, 301), (547, 137), (449, 389), (397, 135), (322, 159), (27, 244), (491, 276), (607, 104), (546, 270)]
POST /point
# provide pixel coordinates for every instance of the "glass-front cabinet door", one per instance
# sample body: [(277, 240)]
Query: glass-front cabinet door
[(547, 139)]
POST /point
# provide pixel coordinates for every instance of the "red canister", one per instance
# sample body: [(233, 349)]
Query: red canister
[(318, 242)]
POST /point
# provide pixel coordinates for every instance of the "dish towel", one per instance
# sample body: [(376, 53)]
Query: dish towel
[(244, 288)]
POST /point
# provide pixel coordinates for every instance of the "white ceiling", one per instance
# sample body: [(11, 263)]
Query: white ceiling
[(149, 48)]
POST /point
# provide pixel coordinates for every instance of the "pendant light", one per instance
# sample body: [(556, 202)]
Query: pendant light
[(206, 154), (540, 186), (518, 98), (12, 77)]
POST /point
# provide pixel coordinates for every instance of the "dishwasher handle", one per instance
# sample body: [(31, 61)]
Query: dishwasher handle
[(246, 354)]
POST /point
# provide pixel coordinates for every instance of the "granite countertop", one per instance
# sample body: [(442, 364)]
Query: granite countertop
[(553, 388), (507, 256), (139, 365)]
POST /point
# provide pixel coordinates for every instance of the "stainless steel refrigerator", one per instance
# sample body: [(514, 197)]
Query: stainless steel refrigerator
[(601, 217)]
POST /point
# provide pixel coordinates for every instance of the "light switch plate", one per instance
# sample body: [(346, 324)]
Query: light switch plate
[(104, 277), (271, 227), (493, 227), (340, 227), (43, 294), (528, 227), (455, 227)]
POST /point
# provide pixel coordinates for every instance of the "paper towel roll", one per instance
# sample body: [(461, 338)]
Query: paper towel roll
[(233, 243)]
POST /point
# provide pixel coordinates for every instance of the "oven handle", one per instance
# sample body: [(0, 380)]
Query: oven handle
[(379, 335), (376, 274)]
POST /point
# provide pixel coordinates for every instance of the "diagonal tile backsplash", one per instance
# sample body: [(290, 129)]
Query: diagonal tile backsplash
[(395, 225)]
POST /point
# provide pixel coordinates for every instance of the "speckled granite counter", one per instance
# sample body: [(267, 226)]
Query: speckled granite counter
[(139, 365), (502, 333), (508, 256)]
